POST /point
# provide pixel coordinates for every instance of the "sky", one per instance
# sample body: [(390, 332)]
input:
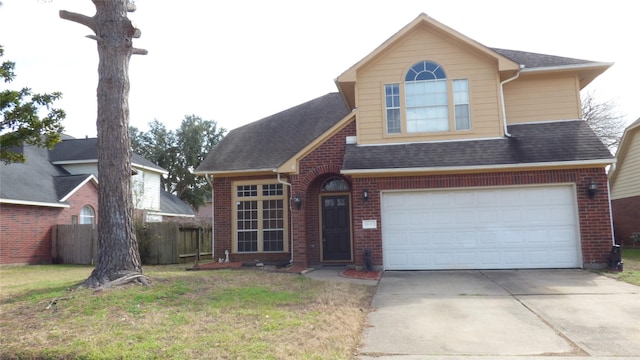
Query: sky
[(236, 61)]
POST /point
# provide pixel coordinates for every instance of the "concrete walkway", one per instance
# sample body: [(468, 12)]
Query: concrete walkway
[(508, 315)]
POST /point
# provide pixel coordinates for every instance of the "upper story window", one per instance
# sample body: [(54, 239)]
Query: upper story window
[(427, 101)]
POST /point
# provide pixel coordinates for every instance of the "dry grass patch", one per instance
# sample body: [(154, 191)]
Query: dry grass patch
[(223, 314)]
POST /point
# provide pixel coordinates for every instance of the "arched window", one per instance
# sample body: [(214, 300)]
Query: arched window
[(335, 184), (427, 98), (87, 215), (427, 101)]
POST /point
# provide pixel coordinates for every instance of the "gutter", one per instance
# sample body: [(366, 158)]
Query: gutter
[(504, 112)]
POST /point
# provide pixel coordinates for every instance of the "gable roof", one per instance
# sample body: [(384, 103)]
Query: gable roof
[(66, 185), (37, 181), (623, 149), (508, 61), (77, 151), (266, 144), (539, 144)]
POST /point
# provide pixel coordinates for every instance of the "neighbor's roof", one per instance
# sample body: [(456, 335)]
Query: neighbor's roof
[(268, 143), (73, 151), (172, 205), (530, 144), (37, 181), (624, 149)]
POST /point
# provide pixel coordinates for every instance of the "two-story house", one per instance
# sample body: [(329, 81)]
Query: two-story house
[(151, 202), (436, 152), (60, 186)]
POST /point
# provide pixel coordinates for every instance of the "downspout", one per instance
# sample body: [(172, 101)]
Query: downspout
[(290, 212), (213, 241), (613, 231), (504, 112)]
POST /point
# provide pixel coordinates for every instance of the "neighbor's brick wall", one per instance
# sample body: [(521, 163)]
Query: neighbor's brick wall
[(25, 230), (595, 221), (626, 218)]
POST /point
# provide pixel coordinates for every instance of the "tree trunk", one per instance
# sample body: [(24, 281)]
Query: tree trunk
[(118, 254)]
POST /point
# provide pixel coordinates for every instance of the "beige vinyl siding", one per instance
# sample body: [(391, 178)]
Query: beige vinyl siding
[(533, 98), (458, 62), (627, 182)]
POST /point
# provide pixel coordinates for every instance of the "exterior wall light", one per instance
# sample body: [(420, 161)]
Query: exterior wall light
[(297, 201), (365, 194), (592, 189)]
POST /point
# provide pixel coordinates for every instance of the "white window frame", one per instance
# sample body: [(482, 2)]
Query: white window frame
[(87, 212)]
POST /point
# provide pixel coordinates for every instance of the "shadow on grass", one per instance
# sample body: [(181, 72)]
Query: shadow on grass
[(40, 294)]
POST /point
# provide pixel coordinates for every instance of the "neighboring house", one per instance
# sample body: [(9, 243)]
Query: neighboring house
[(436, 153), (152, 203), (60, 187), (624, 180), (35, 196)]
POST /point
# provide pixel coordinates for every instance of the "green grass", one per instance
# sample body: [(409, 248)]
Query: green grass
[(631, 267), (222, 314)]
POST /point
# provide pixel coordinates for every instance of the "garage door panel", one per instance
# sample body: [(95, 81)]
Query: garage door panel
[(529, 227)]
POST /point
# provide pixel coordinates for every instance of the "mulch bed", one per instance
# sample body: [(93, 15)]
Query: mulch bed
[(366, 275), (348, 273), (238, 265)]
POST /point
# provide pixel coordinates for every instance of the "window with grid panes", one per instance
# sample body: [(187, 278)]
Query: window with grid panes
[(260, 218)]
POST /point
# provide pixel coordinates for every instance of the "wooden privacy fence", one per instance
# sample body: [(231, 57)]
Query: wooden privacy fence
[(74, 244), (158, 243)]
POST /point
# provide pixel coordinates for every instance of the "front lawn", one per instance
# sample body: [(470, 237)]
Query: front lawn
[(222, 314), (631, 267)]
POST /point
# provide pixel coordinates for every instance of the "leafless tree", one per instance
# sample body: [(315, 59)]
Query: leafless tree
[(604, 118), (118, 257)]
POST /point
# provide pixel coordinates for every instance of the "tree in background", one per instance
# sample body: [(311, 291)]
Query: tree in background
[(19, 120), (179, 153), (604, 119), (118, 256)]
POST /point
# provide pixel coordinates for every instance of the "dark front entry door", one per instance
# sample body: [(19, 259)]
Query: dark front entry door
[(336, 229)]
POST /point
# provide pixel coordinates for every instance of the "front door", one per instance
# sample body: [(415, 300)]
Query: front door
[(336, 228)]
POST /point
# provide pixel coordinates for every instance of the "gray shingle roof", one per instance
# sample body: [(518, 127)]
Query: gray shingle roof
[(64, 184), (534, 60), (87, 150), (32, 180), (268, 143), (171, 204), (530, 143)]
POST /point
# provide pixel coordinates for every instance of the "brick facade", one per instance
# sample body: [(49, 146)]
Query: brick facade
[(626, 216), (25, 230), (325, 162)]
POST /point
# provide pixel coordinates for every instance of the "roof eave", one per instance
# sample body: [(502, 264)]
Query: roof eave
[(623, 148), (477, 168), (91, 178), (33, 203), (230, 173)]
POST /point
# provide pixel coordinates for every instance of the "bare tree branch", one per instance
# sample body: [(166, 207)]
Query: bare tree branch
[(79, 18), (136, 51), (94, 37), (604, 119)]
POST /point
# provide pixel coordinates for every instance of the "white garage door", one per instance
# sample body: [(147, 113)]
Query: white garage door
[(498, 228)]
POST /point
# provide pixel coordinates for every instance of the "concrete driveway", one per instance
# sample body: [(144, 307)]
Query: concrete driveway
[(510, 314)]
